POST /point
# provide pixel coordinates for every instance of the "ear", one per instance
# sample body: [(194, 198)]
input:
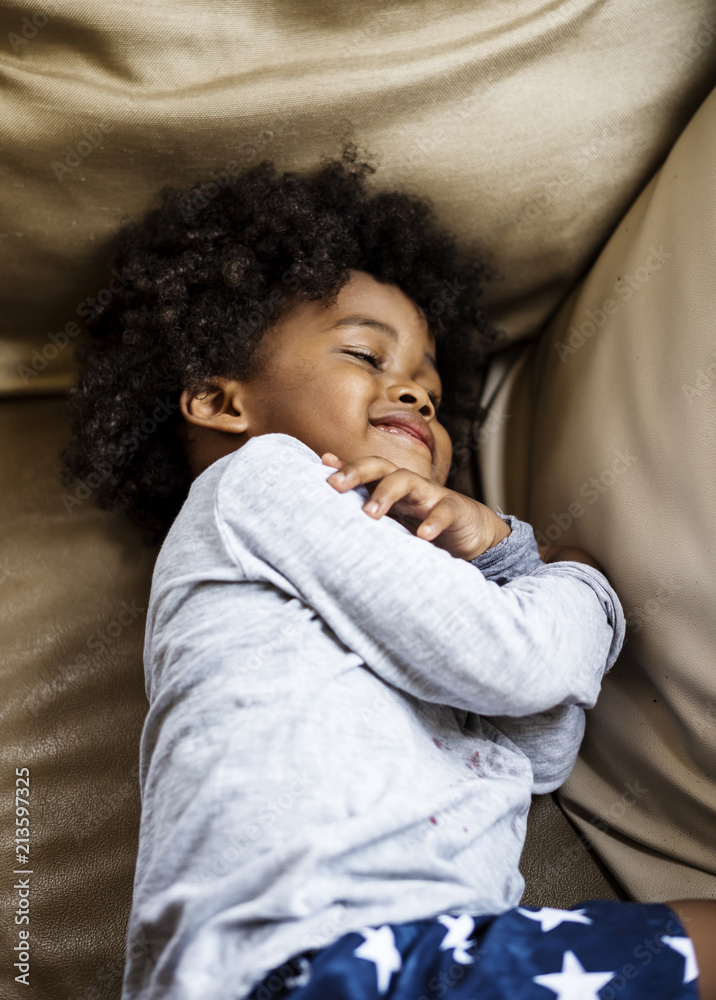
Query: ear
[(219, 407)]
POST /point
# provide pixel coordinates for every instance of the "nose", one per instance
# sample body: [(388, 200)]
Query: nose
[(411, 395)]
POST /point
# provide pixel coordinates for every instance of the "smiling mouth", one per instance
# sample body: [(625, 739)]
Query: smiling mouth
[(400, 432)]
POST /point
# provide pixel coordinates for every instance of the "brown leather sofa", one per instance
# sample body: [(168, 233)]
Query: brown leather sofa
[(574, 147)]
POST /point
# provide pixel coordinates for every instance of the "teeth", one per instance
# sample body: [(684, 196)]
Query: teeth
[(398, 430)]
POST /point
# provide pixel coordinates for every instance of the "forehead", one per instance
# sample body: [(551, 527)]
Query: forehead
[(366, 295), (363, 296)]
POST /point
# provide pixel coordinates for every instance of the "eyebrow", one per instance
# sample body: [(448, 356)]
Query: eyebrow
[(377, 324)]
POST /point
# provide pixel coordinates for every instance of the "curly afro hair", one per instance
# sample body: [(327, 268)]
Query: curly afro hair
[(202, 279)]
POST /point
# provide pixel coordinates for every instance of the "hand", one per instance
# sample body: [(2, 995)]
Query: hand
[(562, 553), (466, 527)]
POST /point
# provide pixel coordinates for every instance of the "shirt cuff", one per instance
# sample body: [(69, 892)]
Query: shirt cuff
[(515, 556)]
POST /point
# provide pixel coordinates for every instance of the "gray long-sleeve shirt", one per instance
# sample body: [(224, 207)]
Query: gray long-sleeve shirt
[(346, 723)]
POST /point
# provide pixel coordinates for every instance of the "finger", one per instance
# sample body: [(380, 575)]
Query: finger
[(440, 517), (419, 494), (328, 458), (361, 471)]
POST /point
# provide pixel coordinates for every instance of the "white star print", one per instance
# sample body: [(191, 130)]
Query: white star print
[(574, 982), (550, 918), (302, 978), (379, 947), (460, 928), (685, 947)]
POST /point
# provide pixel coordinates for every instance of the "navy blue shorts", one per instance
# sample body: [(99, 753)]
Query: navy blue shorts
[(600, 949)]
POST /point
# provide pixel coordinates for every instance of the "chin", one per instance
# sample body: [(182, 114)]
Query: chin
[(423, 467)]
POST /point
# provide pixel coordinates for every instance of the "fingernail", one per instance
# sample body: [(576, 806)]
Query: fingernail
[(371, 506)]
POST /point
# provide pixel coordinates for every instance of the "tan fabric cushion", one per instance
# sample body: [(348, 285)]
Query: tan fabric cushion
[(558, 864), (74, 589), (532, 126), (614, 416), (500, 117)]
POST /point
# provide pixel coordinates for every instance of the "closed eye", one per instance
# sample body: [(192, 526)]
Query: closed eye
[(368, 357), (372, 359)]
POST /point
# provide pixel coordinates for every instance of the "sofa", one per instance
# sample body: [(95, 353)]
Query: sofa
[(572, 146)]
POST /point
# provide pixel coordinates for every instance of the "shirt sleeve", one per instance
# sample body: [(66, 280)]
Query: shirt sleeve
[(516, 555), (550, 739), (420, 618)]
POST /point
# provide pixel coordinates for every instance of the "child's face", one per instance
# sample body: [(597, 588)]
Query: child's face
[(314, 389)]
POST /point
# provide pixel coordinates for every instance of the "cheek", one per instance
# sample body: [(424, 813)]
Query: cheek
[(443, 442), (443, 453)]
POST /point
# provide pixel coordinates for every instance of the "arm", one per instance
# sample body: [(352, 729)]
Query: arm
[(515, 556), (422, 620), (550, 739)]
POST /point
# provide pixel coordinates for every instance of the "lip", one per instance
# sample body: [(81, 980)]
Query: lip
[(410, 426)]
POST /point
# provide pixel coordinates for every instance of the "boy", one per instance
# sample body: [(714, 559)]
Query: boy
[(349, 712)]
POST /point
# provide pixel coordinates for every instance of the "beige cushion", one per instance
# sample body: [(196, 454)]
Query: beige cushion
[(531, 129), (613, 415), (532, 126), (75, 588), (558, 865)]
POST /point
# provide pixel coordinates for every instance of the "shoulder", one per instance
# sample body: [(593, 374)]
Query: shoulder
[(268, 464), (278, 443), (271, 452)]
